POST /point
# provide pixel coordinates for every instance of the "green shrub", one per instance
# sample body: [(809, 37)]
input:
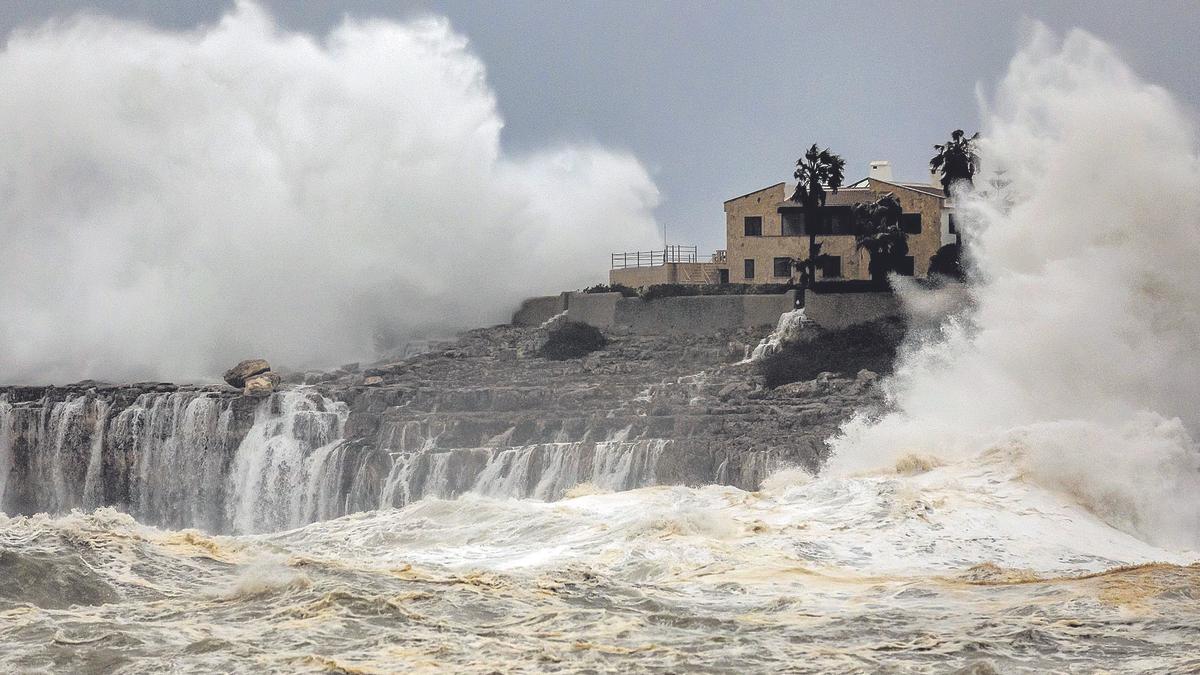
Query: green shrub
[(624, 290), (572, 340), (845, 350), (947, 262), (686, 290)]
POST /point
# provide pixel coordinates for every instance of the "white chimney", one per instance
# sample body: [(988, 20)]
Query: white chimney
[(881, 169)]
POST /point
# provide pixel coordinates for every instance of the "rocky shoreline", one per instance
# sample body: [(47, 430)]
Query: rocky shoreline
[(484, 413)]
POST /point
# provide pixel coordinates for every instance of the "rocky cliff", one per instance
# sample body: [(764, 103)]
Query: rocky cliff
[(483, 414)]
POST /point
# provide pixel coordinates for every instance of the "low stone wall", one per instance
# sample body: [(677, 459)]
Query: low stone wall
[(597, 309), (688, 314), (536, 311), (838, 310), (708, 313)]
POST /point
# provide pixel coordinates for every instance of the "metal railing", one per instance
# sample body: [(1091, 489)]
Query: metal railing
[(720, 256), (669, 254)]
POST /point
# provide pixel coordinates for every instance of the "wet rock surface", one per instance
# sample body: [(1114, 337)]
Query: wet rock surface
[(237, 375), (483, 413), (261, 384), (492, 390)]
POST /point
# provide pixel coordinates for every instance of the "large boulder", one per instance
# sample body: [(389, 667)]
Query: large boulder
[(261, 384), (237, 375)]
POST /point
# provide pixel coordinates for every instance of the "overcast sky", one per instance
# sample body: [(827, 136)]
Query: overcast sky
[(718, 99)]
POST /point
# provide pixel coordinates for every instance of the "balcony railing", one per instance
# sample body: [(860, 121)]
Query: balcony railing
[(668, 254)]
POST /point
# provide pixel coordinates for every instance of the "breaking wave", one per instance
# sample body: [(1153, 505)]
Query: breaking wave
[(178, 200), (1080, 355)]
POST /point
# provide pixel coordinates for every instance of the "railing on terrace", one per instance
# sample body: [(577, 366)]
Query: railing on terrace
[(669, 254)]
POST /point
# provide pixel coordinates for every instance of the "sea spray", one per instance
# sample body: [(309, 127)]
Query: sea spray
[(788, 329), (178, 200), (1081, 354)]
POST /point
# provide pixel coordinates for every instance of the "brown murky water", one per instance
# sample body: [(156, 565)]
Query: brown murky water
[(955, 568)]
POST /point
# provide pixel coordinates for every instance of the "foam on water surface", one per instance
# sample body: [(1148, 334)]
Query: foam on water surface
[(943, 520), (960, 564)]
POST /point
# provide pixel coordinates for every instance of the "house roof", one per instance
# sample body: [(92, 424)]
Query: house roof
[(916, 187), (844, 197), (856, 192), (851, 193), (769, 187)]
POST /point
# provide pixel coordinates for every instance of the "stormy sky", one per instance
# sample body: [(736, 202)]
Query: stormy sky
[(717, 99)]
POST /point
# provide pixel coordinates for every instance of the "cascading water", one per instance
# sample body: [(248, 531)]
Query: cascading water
[(6, 443), (280, 475), (789, 328), (165, 437), (189, 459), (546, 471), (69, 454)]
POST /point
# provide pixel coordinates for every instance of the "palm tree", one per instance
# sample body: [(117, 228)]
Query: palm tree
[(956, 160), (816, 171), (877, 230)]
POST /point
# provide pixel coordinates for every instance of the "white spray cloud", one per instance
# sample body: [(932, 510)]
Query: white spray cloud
[(1083, 352), (171, 202)]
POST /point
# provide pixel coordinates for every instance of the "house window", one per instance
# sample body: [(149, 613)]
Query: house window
[(953, 225), (841, 220), (783, 267), (831, 266), (749, 268), (793, 224), (828, 220), (904, 266), (910, 223), (753, 226)]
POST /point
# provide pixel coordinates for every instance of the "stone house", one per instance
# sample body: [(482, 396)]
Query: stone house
[(764, 232)]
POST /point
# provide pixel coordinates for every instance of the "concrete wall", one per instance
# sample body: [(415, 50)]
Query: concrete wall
[(670, 273), (838, 310), (597, 309), (692, 314), (536, 311), (710, 313)]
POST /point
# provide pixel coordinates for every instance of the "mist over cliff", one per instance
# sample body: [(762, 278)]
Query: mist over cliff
[(173, 201)]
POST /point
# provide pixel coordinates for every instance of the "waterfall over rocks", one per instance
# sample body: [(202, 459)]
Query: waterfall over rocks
[(182, 460), (468, 419)]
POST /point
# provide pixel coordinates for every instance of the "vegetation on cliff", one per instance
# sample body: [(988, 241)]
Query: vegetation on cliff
[(572, 340), (847, 350), (657, 291)]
